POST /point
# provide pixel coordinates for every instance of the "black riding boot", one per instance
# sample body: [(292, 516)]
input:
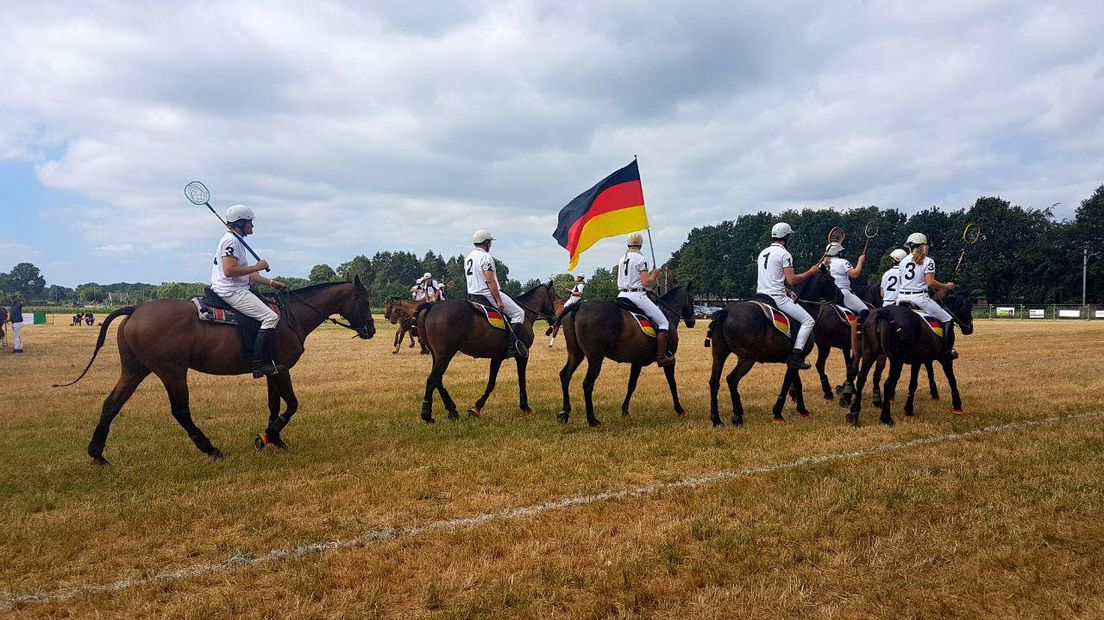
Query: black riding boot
[(663, 357), (262, 355), (948, 341), (797, 360)]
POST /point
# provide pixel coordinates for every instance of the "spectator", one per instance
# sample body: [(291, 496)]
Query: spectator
[(3, 334), (17, 324)]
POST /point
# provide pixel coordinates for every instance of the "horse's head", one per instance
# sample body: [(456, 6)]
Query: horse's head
[(681, 300), (960, 306), (541, 299), (389, 309), (358, 311), (821, 287)]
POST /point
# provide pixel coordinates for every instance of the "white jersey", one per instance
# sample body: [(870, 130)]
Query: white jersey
[(771, 265), (577, 289), (838, 269), (628, 272), (913, 275), (890, 281), (475, 265), (231, 246)]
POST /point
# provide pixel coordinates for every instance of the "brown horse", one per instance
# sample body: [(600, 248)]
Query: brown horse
[(897, 333), (742, 329), (454, 325), (401, 312), (166, 337), (596, 330)]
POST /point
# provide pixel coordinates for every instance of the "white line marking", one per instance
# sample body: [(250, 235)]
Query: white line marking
[(391, 533)]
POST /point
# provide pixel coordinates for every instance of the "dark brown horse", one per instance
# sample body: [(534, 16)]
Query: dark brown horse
[(166, 337), (596, 330), (872, 295), (901, 336), (742, 329), (400, 312), (453, 325)]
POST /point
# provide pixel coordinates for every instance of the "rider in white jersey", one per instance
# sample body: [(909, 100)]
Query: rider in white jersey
[(891, 279), (917, 272), (633, 280), (231, 275), (482, 280), (576, 292), (775, 266), (842, 272)]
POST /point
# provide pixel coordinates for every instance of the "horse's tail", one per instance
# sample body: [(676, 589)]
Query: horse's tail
[(125, 311), (889, 330), (716, 320)]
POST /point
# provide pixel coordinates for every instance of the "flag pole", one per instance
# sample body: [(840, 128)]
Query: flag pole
[(651, 247)]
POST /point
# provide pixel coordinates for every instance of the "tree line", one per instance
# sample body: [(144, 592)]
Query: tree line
[(1023, 255)]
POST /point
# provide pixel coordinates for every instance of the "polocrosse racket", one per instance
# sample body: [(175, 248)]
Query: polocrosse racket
[(970, 235), (197, 194), (870, 231)]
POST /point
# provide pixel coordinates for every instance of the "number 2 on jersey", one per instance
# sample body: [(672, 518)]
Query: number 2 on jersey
[(469, 269)]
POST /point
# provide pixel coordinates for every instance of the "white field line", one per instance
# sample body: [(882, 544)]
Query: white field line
[(392, 533)]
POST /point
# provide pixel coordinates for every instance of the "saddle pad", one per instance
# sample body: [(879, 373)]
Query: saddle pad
[(224, 316), (494, 317), (845, 314), (779, 319), (932, 322), (645, 324)]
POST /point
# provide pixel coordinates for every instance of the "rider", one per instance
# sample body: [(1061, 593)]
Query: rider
[(633, 278), (891, 278), (917, 272), (842, 272), (432, 288), (576, 291), (775, 266), (231, 275), (482, 279)]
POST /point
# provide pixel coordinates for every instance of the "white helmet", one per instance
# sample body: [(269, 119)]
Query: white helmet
[(579, 275), (898, 255), (833, 249), (238, 212), (781, 229), (482, 236), (917, 239), (636, 239), (427, 275)]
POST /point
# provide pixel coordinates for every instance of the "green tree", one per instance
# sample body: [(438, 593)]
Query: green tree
[(322, 273), (360, 265), (93, 293), (602, 285), (27, 279)]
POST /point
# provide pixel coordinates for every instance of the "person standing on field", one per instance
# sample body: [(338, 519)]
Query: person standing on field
[(231, 275), (16, 314)]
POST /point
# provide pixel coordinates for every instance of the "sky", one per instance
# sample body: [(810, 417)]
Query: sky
[(356, 127)]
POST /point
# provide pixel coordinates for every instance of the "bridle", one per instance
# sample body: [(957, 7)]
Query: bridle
[(361, 331)]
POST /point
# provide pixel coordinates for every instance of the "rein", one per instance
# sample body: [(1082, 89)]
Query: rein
[(282, 301)]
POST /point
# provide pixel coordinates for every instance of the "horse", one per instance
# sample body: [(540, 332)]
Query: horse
[(742, 329), (554, 325), (900, 335), (455, 325), (166, 337), (872, 295), (401, 312), (596, 330)]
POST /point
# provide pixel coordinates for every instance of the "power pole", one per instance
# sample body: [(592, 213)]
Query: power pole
[(1084, 277)]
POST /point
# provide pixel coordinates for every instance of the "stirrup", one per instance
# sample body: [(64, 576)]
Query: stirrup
[(266, 369)]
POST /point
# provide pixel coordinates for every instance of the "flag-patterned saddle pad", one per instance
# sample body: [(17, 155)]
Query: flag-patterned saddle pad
[(494, 317), (645, 324), (779, 319), (932, 322), (845, 314)]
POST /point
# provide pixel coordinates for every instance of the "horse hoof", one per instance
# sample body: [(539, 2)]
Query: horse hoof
[(528, 411), (876, 403), (624, 413), (853, 419), (260, 441), (473, 412), (778, 420), (935, 396), (737, 420), (428, 419), (683, 413), (562, 417), (215, 454), (594, 423), (804, 414), (717, 423), (909, 416), (100, 460), (839, 389), (453, 415), (888, 421), (957, 411), (829, 396)]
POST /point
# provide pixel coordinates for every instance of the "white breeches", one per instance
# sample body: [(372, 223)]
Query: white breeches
[(17, 338), (640, 298), (513, 311), (852, 302), (571, 301), (889, 302), (927, 304), (251, 306), (796, 312)]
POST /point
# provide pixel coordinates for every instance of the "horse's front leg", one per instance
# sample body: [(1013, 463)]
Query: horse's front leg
[(594, 368), (523, 392), (787, 381), (492, 376), (914, 374), (669, 372), (856, 398), (800, 391), (176, 384), (932, 388), (281, 385), (890, 390), (719, 357), (634, 374), (273, 398), (573, 361), (849, 381), (821, 360), (956, 398)]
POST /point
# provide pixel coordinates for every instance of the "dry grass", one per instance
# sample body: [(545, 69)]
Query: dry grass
[(1006, 525)]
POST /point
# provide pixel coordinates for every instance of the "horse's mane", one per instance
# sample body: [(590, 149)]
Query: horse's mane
[(317, 287)]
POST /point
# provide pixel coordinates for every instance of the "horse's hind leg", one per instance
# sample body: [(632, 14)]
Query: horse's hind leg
[(496, 363), (848, 386), (800, 391), (523, 388), (594, 368), (176, 384), (434, 382), (743, 367), (398, 339), (450, 405), (876, 383), (634, 374), (914, 373), (890, 390), (931, 381), (280, 385), (669, 372), (573, 361), (825, 384), (787, 381), (132, 376), (719, 357), (956, 398)]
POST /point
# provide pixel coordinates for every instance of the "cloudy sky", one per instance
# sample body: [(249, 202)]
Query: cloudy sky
[(362, 126)]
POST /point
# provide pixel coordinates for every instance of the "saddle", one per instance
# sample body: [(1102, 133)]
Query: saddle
[(493, 315), (213, 309), (636, 313), (779, 319)]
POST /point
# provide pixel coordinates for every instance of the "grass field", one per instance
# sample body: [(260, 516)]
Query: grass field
[(1004, 524)]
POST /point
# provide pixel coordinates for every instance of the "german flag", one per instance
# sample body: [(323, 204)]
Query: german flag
[(614, 206)]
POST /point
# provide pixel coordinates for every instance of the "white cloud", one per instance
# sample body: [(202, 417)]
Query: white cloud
[(407, 126)]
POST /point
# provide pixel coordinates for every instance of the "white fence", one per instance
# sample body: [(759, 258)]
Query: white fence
[(1090, 312)]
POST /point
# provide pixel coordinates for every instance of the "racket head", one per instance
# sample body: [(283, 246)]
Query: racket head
[(836, 235), (871, 229), (197, 193), (971, 234)]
